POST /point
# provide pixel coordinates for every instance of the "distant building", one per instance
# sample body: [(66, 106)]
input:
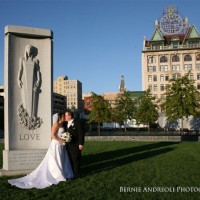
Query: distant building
[(2, 90), (59, 103), (72, 89), (170, 53), (2, 95), (87, 102), (122, 87), (135, 95), (111, 97)]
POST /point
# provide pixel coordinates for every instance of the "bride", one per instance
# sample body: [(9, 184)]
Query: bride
[(55, 166)]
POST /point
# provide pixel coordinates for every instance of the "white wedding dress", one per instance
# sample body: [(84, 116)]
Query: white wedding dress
[(55, 167)]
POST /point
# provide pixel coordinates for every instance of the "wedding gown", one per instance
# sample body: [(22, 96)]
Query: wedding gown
[(55, 167)]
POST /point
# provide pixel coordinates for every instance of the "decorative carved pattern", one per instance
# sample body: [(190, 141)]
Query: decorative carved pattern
[(25, 120)]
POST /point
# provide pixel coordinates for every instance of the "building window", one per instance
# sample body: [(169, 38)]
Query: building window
[(161, 77), (198, 76), (187, 58), (163, 59), (193, 44), (198, 57), (187, 67), (175, 58), (157, 46), (151, 68), (192, 76), (166, 77), (198, 67), (175, 67), (175, 45), (149, 78), (176, 76), (163, 68), (150, 88), (198, 86), (151, 59), (162, 87), (155, 88), (155, 78)]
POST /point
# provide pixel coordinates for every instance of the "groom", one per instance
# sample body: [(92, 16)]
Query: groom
[(76, 129)]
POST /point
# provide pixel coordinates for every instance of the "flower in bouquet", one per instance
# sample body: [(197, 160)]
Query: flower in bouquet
[(66, 136)]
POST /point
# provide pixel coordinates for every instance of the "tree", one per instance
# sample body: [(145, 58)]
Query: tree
[(182, 99), (147, 111), (100, 111), (124, 109)]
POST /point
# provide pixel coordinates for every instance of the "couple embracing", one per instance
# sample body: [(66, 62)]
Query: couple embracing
[(62, 160)]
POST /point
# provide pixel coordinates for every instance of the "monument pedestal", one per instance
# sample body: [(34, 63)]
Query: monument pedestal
[(17, 162), (14, 172), (22, 159)]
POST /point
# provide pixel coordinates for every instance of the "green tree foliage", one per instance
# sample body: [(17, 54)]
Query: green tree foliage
[(182, 99), (101, 111), (124, 109), (147, 111)]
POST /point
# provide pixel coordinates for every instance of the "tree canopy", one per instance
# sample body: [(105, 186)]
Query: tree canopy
[(147, 111), (182, 99), (124, 109), (100, 111)]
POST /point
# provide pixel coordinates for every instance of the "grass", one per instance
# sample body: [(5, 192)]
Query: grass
[(107, 166)]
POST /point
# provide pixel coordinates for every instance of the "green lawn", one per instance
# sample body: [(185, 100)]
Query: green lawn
[(107, 166)]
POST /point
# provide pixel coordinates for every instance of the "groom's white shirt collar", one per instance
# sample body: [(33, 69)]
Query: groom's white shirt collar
[(69, 123)]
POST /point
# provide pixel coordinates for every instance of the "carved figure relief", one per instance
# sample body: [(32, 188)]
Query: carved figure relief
[(29, 81)]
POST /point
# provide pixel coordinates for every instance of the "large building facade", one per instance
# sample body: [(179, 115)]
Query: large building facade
[(72, 89), (59, 103), (172, 51)]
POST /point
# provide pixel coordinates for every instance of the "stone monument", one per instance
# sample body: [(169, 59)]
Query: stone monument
[(28, 97)]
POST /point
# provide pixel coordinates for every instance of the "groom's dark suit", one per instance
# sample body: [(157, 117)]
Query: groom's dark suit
[(77, 132)]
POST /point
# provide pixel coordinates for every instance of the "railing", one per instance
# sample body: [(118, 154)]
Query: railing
[(143, 132)]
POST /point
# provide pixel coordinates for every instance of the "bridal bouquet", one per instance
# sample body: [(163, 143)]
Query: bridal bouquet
[(66, 136)]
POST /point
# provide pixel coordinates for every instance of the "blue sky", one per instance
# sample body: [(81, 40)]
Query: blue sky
[(95, 41)]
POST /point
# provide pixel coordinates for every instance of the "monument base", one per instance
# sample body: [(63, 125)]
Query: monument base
[(14, 172), (22, 160)]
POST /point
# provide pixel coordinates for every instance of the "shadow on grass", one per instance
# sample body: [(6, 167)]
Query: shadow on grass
[(108, 160)]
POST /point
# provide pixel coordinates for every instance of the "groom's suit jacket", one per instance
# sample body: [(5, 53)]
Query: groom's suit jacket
[(76, 130)]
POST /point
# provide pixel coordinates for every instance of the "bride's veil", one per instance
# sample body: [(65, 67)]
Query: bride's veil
[(55, 118)]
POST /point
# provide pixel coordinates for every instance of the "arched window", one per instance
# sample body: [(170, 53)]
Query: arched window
[(198, 57), (175, 58), (163, 59), (187, 58)]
